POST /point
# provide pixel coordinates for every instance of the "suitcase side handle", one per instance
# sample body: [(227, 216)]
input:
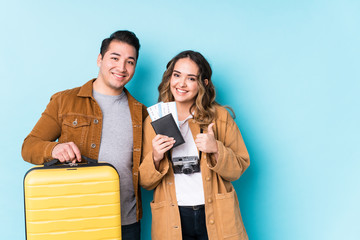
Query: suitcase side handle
[(56, 161), (89, 160)]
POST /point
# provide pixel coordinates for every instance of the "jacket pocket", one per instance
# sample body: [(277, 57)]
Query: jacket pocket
[(75, 129), (160, 220), (229, 213)]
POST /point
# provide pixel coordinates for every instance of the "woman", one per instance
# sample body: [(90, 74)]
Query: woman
[(202, 204)]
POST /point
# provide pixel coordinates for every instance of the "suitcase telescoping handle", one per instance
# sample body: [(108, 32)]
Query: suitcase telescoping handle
[(56, 161)]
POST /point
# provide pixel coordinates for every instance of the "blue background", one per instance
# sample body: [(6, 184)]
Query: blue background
[(290, 70)]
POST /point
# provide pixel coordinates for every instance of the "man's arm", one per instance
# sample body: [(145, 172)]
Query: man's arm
[(40, 146)]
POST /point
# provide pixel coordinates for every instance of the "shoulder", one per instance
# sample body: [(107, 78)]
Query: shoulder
[(137, 105), (131, 99), (148, 129), (147, 122), (224, 118), (66, 94), (222, 113)]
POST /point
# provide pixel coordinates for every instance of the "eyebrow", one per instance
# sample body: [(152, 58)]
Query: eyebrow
[(187, 74), (116, 54)]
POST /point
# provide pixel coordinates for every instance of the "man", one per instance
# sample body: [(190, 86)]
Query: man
[(100, 120)]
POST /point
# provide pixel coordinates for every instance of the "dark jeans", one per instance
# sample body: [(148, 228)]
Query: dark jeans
[(131, 231), (193, 223)]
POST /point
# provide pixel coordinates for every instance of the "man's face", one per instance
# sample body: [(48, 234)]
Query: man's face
[(117, 67)]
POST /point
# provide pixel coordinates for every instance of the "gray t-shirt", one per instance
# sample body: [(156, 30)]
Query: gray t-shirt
[(116, 148)]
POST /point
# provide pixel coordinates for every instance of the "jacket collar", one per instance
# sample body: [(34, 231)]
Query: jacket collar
[(86, 90)]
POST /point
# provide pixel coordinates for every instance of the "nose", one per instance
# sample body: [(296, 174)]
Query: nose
[(182, 82), (121, 66)]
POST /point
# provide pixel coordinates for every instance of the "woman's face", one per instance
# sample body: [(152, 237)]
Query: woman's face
[(183, 81)]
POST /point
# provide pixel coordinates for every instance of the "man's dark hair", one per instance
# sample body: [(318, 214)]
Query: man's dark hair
[(122, 36)]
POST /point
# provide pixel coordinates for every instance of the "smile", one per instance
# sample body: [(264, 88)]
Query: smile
[(119, 75), (181, 91)]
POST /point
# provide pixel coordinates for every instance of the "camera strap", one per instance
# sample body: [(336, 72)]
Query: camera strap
[(169, 152)]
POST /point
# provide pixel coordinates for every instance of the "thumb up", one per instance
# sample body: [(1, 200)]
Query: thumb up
[(206, 142), (210, 130)]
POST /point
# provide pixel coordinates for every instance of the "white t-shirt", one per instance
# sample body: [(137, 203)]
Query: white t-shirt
[(189, 187)]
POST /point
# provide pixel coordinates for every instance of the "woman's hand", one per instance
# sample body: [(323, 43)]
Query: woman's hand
[(161, 144), (206, 142)]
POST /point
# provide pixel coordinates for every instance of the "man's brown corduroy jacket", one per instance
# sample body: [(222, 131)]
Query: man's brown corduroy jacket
[(74, 116)]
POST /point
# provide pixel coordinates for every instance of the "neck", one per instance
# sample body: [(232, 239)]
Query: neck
[(106, 90), (183, 110)]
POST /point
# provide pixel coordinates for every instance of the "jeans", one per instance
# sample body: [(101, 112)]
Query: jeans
[(131, 231), (193, 222)]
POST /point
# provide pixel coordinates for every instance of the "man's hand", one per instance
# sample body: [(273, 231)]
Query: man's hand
[(66, 152)]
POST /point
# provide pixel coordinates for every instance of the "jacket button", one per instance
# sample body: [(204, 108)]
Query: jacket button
[(93, 145), (75, 123), (212, 221), (209, 200), (136, 149), (207, 178), (96, 121)]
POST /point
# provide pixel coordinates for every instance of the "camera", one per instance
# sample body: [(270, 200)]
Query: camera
[(187, 165)]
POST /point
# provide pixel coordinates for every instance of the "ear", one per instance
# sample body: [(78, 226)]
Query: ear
[(99, 59), (206, 81)]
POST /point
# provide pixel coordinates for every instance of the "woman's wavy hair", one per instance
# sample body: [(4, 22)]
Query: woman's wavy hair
[(204, 105)]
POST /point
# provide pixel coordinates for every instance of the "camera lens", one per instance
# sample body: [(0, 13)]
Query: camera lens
[(188, 169)]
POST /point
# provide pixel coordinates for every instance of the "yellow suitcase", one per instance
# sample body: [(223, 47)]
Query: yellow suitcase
[(66, 202)]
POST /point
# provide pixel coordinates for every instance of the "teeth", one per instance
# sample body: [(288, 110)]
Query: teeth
[(182, 91), (117, 75)]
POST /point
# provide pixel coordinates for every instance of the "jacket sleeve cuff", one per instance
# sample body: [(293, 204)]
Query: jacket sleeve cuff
[(48, 151), (212, 163), (149, 176)]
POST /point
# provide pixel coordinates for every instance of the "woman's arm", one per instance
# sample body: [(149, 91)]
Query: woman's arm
[(154, 164), (232, 156)]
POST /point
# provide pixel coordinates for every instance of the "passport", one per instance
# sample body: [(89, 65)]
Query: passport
[(166, 126)]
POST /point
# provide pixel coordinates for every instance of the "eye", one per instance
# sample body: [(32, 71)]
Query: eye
[(115, 58), (192, 79), (176, 75), (131, 63)]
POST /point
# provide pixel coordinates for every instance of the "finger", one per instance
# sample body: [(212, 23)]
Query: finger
[(210, 130), (160, 148), (167, 144), (201, 139), (164, 140), (199, 145), (159, 136), (200, 148), (61, 157), (168, 148), (60, 151), (69, 153), (200, 135), (76, 151)]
